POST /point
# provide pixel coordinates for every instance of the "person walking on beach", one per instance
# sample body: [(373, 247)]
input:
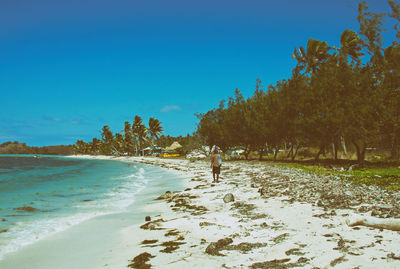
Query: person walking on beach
[(216, 162)]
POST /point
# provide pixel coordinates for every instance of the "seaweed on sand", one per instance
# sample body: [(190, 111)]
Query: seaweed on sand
[(140, 261), (170, 246), (280, 264)]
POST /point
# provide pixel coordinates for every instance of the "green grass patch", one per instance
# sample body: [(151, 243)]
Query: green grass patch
[(389, 171), (311, 168), (389, 182), (385, 176)]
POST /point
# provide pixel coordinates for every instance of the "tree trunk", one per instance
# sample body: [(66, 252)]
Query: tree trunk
[(360, 152), (389, 224), (290, 151), (394, 151), (261, 153), (321, 150), (334, 151), (343, 145), (276, 153), (246, 153), (295, 153)]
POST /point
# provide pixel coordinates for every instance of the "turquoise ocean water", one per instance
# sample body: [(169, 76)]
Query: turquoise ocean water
[(42, 196)]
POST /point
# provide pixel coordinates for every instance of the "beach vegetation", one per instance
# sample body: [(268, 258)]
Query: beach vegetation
[(339, 103), (132, 140), (382, 174), (128, 138), (154, 130)]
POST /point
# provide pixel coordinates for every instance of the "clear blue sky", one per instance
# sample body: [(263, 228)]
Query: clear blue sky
[(67, 68)]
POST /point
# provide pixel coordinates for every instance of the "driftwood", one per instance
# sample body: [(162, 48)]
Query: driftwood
[(282, 182), (387, 224)]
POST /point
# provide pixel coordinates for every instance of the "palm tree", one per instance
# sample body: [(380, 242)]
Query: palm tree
[(107, 139), (392, 57), (139, 132), (128, 139), (80, 147), (154, 129), (118, 144), (95, 146), (317, 52), (351, 45)]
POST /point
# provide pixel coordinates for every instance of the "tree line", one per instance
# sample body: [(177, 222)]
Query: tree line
[(131, 140), (21, 148), (337, 98)]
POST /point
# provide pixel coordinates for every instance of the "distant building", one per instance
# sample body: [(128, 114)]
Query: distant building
[(174, 147)]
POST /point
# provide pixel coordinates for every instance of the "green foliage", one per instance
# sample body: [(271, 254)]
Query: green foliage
[(21, 148), (387, 176), (154, 130), (128, 138), (139, 132), (336, 98), (107, 139), (132, 139)]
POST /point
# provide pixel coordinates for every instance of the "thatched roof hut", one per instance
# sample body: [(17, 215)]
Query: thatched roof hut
[(174, 146)]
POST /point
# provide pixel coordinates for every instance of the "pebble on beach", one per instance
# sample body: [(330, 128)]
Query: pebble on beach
[(229, 198)]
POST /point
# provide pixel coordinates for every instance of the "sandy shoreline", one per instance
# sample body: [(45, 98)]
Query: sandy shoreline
[(298, 221), (287, 226), (99, 242)]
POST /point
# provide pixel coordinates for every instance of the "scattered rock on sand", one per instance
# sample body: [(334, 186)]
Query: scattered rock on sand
[(152, 225), (393, 256), (164, 196), (147, 218), (229, 198), (205, 223)]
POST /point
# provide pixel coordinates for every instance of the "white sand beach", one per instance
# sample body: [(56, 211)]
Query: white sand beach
[(274, 221)]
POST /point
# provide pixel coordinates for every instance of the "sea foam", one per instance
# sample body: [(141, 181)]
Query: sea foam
[(107, 187)]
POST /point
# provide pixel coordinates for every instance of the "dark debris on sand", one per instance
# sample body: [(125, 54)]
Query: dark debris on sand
[(327, 192), (170, 246), (140, 261), (245, 247), (280, 264), (214, 248), (147, 242), (337, 260), (152, 225)]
